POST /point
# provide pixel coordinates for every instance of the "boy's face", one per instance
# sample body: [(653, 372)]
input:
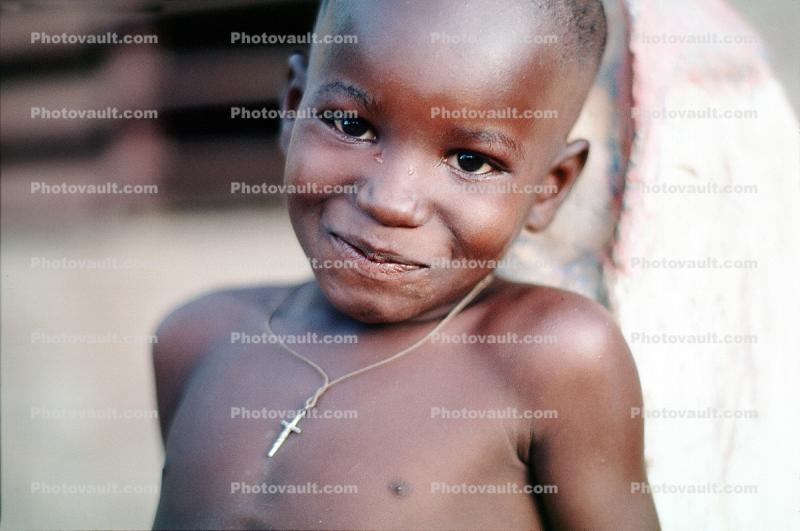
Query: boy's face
[(393, 197)]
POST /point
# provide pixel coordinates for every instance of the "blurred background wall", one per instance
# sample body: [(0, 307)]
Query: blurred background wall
[(191, 77), (776, 21), (87, 276)]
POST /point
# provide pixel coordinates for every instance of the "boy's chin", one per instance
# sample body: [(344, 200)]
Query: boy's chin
[(371, 306)]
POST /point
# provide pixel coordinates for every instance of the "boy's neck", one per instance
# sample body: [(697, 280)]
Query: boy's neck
[(441, 311)]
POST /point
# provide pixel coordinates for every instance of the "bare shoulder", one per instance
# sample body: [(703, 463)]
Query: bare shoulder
[(592, 447), (192, 330), (576, 329), (574, 355)]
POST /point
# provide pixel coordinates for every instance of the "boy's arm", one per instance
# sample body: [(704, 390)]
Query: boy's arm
[(180, 341), (593, 452), (184, 337)]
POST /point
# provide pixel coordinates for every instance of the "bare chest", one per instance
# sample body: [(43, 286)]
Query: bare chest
[(414, 444)]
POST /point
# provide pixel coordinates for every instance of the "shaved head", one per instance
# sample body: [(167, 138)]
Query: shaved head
[(566, 36), (580, 25)]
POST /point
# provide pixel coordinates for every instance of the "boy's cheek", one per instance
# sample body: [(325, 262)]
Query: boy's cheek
[(313, 160), (484, 225), (481, 223)]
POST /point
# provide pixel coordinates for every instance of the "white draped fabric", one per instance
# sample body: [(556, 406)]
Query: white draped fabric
[(697, 256)]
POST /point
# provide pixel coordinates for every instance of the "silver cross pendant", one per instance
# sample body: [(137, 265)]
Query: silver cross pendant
[(288, 428)]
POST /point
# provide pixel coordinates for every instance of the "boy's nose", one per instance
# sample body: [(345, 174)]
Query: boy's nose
[(394, 196)]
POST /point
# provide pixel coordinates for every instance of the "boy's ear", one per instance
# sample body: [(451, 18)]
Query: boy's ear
[(292, 94), (557, 184)]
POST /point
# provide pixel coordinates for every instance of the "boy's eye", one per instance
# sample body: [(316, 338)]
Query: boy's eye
[(355, 127), (470, 162)]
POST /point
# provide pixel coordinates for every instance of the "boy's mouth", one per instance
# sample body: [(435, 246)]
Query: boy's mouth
[(373, 258)]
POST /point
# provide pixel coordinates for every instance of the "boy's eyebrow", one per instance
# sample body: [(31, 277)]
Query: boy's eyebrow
[(351, 91), (463, 134), (489, 137)]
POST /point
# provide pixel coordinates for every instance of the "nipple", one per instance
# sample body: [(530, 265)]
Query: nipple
[(399, 488)]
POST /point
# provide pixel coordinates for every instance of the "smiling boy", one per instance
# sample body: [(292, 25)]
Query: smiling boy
[(447, 434)]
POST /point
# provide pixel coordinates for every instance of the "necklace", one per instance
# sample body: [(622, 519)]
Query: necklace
[(291, 426)]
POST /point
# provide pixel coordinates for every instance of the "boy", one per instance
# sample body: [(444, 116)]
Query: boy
[(403, 200)]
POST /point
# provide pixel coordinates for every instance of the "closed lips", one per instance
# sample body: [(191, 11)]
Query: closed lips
[(374, 254)]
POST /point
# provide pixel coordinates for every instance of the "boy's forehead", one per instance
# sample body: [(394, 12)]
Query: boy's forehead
[(455, 48)]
